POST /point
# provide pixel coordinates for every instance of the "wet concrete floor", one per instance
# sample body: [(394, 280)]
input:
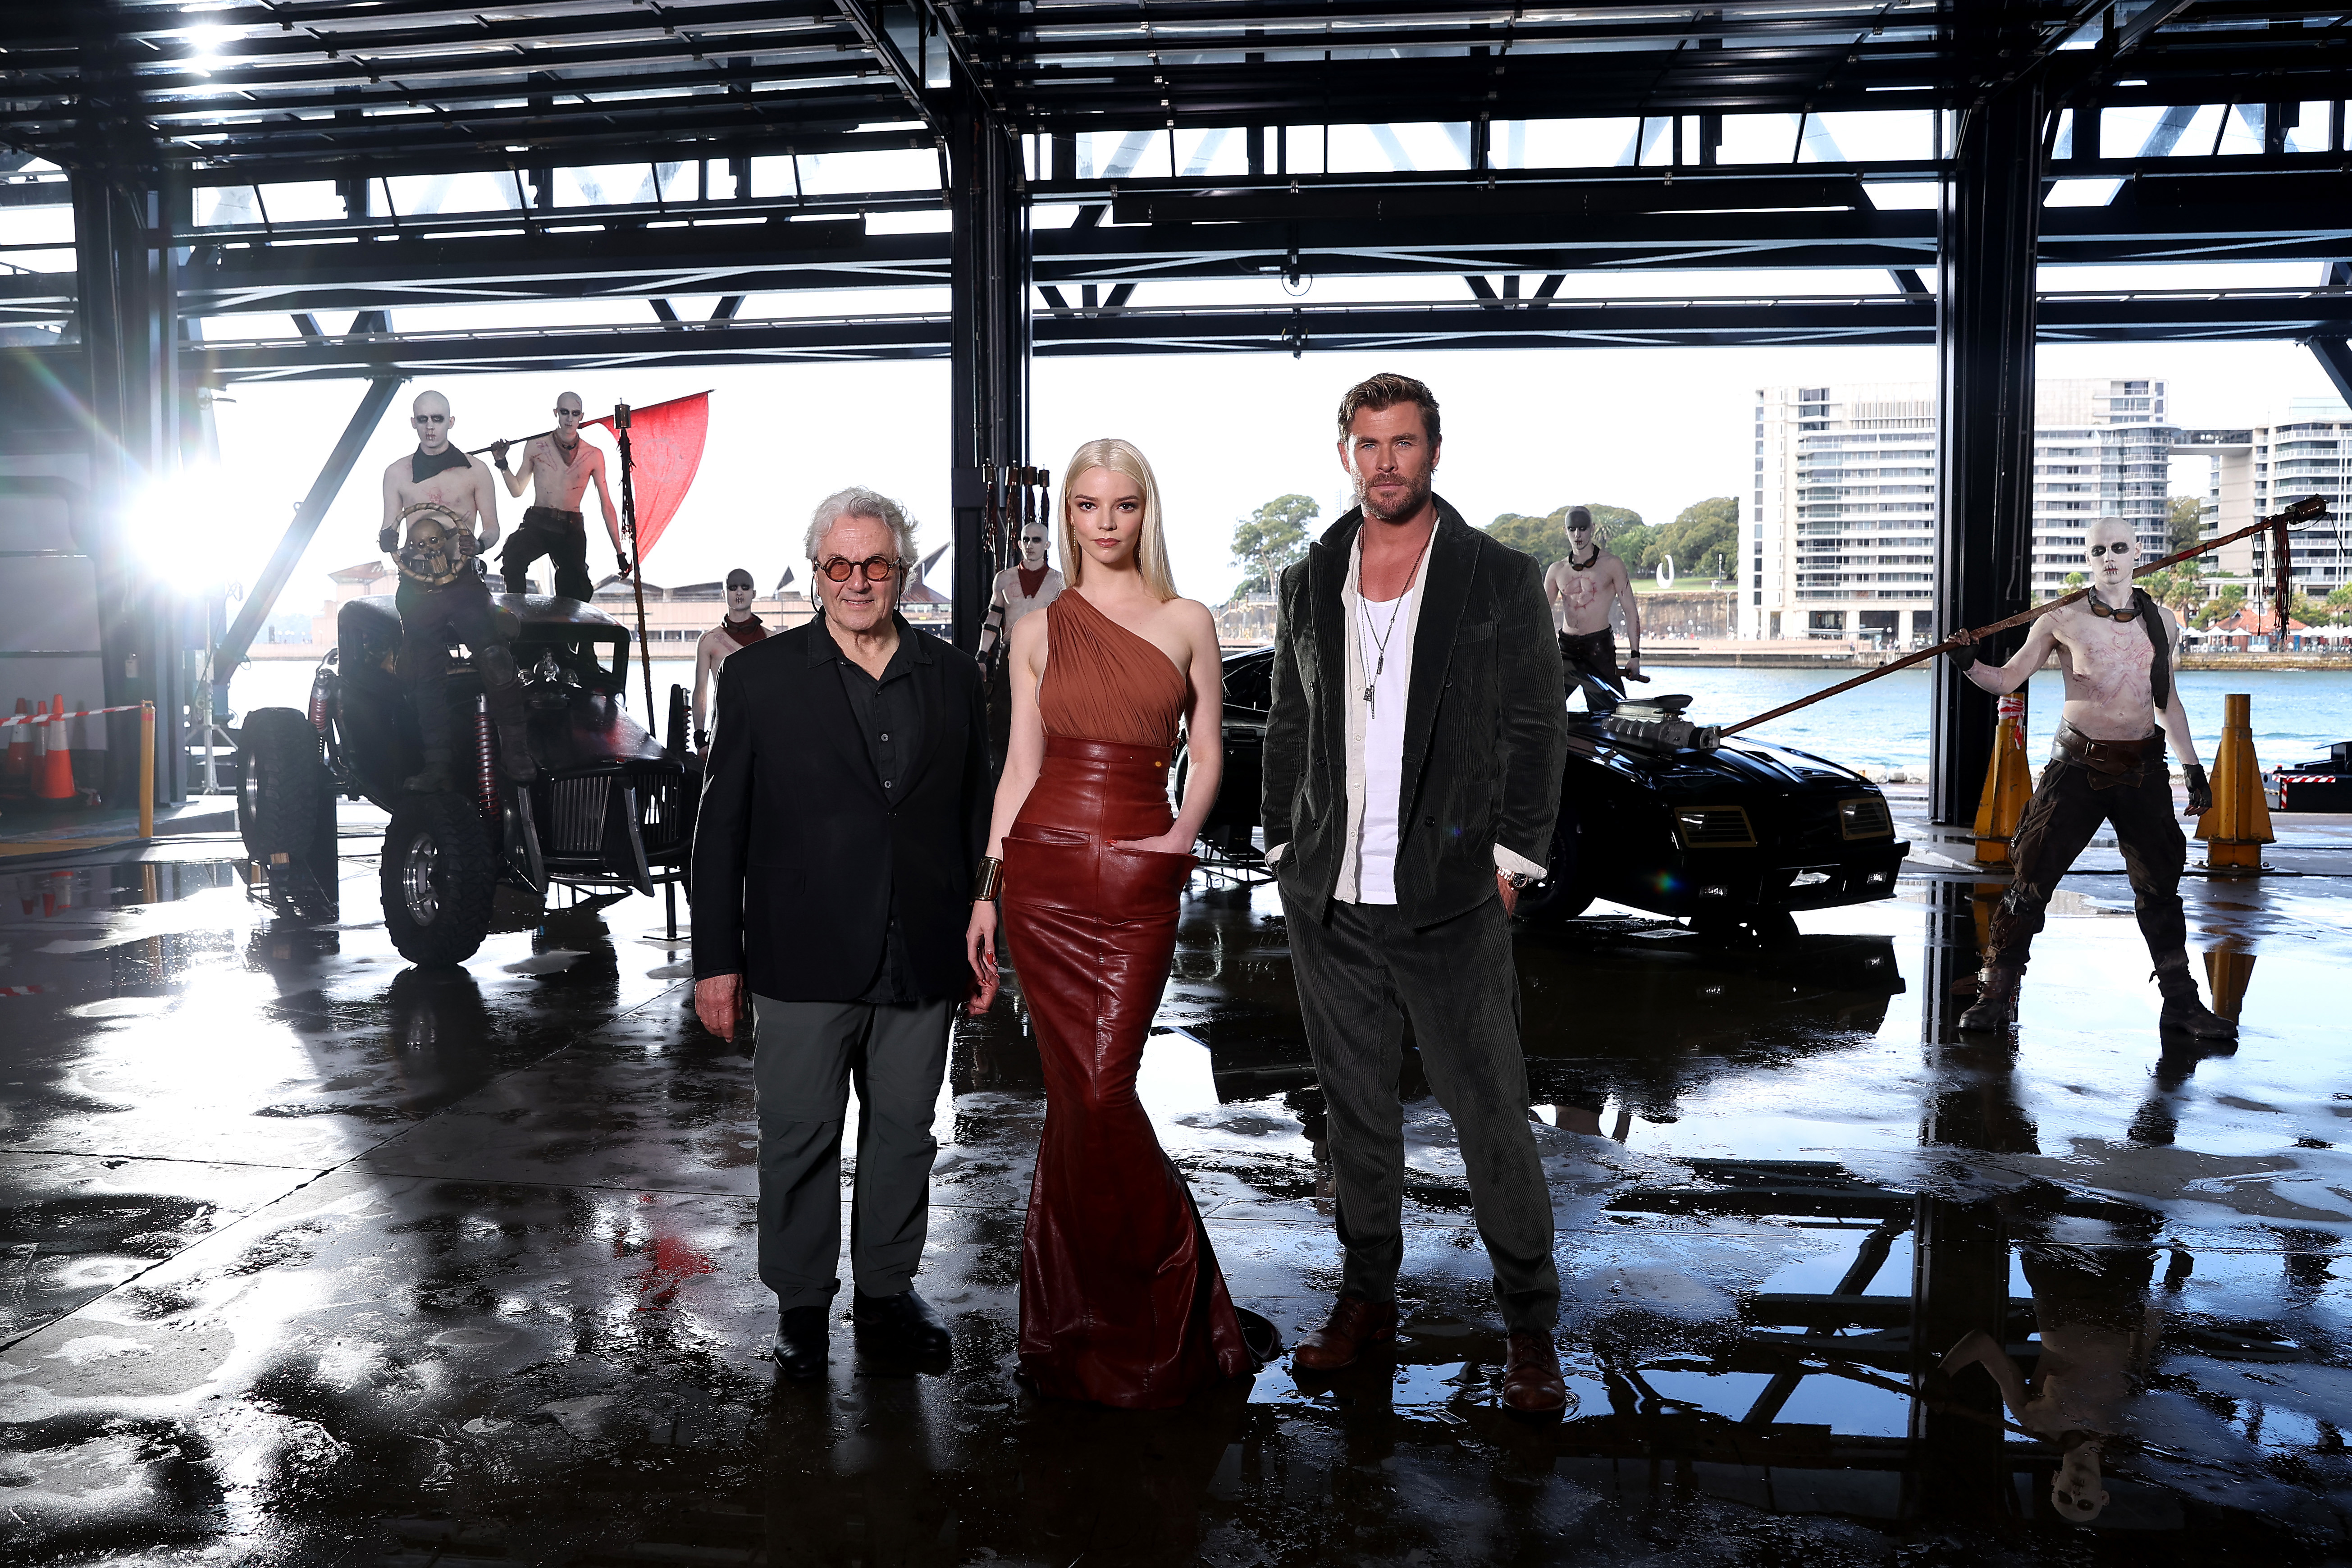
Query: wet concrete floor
[(313, 1258)]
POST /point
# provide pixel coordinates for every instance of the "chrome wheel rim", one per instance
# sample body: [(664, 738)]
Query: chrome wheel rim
[(419, 891)]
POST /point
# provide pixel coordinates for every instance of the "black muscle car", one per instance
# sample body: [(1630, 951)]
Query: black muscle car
[(1738, 833)]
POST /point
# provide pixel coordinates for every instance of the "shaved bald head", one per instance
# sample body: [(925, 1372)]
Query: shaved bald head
[(432, 419)]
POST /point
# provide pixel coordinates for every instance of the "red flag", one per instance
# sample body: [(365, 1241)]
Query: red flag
[(665, 451)]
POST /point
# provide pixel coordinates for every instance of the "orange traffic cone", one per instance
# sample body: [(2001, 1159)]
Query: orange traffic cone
[(2009, 785), (53, 776), (16, 772), (2237, 827)]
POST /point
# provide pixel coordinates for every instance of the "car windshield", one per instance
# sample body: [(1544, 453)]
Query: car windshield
[(1249, 682)]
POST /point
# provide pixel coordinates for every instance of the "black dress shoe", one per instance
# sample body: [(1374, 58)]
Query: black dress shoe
[(906, 1322), (802, 1335)]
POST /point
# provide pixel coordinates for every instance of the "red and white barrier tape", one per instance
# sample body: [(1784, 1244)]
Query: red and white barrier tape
[(61, 718)]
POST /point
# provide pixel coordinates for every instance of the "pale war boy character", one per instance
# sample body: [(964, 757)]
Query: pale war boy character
[(560, 466), (2116, 651), (1030, 586), (1581, 587), (437, 494), (737, 628), (1021, 590)]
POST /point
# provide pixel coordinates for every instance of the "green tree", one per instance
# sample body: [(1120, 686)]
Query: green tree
[(2339, 605), (2222, 606), (1270, 539), (2075, 580), (2182, 532), (1704, 540), (1545, 537), (2183, 590)]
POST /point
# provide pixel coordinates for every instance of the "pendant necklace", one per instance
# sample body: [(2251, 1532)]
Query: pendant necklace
[(1381, 638)]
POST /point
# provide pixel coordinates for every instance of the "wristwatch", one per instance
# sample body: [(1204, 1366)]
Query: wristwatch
[(1517, 879)]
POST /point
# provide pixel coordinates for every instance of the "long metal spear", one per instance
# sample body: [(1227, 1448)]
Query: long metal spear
[(636, 556), (2303, 510), (478, 451)]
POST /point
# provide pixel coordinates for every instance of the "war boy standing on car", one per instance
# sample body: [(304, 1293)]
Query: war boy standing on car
[(437, 494)]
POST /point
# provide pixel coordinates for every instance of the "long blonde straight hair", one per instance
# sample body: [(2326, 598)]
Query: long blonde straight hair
[(1150, 547)]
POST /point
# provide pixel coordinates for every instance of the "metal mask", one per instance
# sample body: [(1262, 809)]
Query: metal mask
[(437, 548)]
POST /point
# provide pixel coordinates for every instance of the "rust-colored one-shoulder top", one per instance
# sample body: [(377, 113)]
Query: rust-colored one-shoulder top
[(1105, 683)]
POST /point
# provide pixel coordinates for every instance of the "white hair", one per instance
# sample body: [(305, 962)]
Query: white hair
[(859, 501)]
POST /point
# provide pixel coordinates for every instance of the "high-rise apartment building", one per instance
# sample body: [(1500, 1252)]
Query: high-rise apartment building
[(1840, 539), (2308, 452)]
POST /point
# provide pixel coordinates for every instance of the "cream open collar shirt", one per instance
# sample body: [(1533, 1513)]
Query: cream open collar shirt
[(1400, 655)]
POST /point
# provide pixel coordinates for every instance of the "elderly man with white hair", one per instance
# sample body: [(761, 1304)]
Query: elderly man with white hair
[(844, 810)]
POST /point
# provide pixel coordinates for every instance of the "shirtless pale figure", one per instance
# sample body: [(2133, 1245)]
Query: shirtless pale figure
[(560, 466), (737, 628), (437, 494), (1031, 586), (1582, 588), (1020, 590), (2116, 651)]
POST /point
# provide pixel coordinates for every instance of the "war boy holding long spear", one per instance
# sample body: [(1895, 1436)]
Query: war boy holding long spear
[(2118, 649)]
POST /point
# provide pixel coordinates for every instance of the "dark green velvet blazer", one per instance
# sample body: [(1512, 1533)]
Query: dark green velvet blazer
[(1486, 727)]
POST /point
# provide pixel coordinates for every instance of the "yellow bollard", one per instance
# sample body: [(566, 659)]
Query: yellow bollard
[(2237, 827), (2227, 975), (146, 770), (2009, 785)]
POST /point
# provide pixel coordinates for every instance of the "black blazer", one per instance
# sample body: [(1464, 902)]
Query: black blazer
[(1486, 723), (796, 852)]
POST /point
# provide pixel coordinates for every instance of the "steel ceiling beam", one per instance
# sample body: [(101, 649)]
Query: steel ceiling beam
[(1526, 322), (630, 259)]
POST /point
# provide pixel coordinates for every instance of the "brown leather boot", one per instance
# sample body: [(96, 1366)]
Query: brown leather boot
[(1354, 1323), (1532, 1384), (1995, 1007)]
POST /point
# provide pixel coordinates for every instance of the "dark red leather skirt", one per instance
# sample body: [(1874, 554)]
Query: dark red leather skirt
[(1121, 1300)]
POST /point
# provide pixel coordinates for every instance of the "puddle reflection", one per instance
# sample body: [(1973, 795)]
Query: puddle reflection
[(2043, 1317)]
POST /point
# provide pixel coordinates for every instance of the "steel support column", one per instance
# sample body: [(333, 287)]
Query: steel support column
[(2335, 357), (989, 403), (1984, 351), (126, 313)]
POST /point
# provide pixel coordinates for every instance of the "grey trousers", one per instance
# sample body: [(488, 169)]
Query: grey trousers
[(804, 1057), (1361, 973)]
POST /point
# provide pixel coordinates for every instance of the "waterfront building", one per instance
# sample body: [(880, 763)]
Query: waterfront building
[(2308, 451), (1839, 536)]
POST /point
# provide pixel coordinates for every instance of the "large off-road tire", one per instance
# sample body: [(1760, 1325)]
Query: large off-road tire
[(439, 877), (282, 783), (286, 810), (1564, 895)]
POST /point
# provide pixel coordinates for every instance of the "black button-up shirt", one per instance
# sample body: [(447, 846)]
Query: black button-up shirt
[(889, 711)]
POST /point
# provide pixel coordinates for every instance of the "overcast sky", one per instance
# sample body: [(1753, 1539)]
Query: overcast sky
[(1654, 429)]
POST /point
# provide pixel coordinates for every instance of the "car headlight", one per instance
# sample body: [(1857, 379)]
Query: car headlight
[(1714, 828), (1864, 817)]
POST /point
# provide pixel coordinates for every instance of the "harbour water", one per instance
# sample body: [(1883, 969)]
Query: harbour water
[(2297, 713)]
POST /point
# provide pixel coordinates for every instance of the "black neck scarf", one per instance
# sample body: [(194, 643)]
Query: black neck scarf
[(421, 467)]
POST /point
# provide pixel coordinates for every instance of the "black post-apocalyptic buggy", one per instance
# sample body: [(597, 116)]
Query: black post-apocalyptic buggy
[(611, 809)]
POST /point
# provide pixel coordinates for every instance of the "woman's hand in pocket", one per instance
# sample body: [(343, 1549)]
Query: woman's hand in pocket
[(1169, 843), (979, 948)]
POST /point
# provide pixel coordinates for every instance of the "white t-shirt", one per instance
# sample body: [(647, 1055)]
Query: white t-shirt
[(1376, 843)]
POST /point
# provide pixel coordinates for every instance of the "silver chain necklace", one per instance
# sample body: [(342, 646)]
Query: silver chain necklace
[(1381, 638)]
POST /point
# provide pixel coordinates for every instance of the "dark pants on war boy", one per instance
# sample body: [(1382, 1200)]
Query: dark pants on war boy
[(2090, 784)]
